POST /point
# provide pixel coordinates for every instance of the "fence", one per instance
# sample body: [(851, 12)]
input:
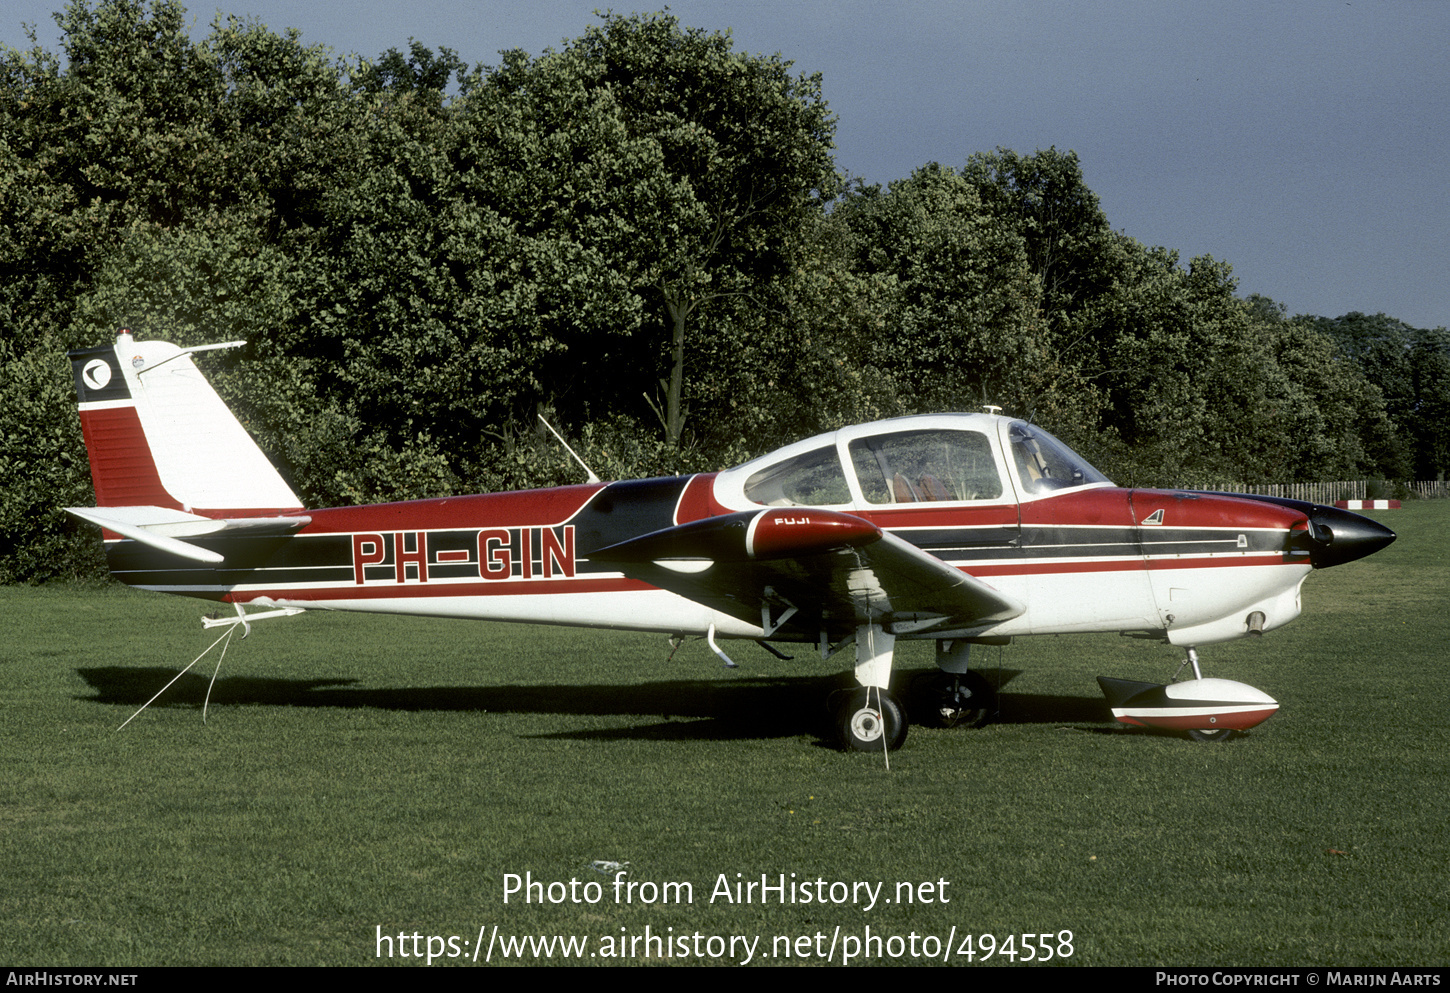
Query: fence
[(1327, 493), (1430, 489)]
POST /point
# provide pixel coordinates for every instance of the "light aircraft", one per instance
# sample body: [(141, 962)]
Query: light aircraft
[(963, 529)]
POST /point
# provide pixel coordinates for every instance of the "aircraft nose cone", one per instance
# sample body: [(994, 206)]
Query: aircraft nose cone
[(1339, 536)]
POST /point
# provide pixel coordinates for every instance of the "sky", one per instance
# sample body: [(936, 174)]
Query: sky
[(1305, 142)]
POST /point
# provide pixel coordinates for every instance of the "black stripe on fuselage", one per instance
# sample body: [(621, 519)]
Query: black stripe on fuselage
[(1037, 542), (616, 513)]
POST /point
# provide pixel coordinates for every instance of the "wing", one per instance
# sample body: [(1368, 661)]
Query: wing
[(797, 572)]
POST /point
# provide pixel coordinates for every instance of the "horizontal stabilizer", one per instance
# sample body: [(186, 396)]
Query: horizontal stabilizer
[(163, 528)]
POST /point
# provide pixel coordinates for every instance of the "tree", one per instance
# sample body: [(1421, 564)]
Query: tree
[(807, 360), (689, 165), (1380, 346), (117, 143), (965, 327), (421, 72), (1408, 367), (1430, 421), (1331, 418), (1043, 198)]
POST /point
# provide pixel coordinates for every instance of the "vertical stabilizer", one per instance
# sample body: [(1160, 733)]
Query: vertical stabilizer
[(158, 435)]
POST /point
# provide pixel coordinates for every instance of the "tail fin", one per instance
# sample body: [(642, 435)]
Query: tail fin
[(159, 436)]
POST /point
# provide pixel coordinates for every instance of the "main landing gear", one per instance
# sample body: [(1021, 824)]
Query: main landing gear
[(870, 719), (957, 696), (957, 699)]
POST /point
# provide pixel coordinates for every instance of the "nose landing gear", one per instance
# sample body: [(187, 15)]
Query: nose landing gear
[(1208, 710)]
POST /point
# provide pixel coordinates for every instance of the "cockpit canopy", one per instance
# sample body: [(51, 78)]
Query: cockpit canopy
[(934, 458)]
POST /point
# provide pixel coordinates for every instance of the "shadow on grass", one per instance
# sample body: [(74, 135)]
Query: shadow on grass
[(687, 709)]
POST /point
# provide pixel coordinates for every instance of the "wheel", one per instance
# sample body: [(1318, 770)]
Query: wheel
[(958, 701), (1222, 734), (868, 716)]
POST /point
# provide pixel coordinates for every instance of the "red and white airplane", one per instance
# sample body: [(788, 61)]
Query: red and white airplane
[(960, 528)]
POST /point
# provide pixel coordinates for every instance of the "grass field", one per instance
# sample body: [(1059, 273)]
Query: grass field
[(359, 776)]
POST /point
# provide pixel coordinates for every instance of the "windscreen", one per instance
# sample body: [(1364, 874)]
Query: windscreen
[(1045, 464)]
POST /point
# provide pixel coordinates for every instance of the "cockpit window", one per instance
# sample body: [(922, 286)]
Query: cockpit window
[(1045, 464), (814, 479), (926, 466)]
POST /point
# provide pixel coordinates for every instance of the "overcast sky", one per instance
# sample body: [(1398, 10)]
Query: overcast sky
[(1306, 143)]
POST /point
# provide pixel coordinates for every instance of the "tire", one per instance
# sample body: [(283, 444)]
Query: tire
[(1222, 734), (952, 701), (868, 717)]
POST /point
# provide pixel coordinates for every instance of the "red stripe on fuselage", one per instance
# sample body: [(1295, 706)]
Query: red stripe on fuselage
[(526, 508), (698, 500), (929, 516)]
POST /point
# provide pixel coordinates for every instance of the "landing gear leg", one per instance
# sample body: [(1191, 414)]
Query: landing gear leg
[(1212, 735), (870, 719), (958, 697)]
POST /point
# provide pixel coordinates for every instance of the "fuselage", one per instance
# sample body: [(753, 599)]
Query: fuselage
[(994, 497)]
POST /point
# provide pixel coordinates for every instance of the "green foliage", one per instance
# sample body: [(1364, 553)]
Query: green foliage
[(965, 327), (677, 169), (1429, 423), (806, 360), (421, 72), (641, 234), (43, 466), (1043, 198), (1411, 369)]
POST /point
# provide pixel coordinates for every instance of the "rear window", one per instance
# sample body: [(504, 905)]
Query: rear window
[(814, 479)]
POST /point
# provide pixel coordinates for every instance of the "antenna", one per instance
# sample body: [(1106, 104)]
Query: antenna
[(592, 478)]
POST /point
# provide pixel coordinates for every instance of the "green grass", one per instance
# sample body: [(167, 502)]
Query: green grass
[(364, 772)]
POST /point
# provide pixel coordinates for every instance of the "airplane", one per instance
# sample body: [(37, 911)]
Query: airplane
[(963, 528)]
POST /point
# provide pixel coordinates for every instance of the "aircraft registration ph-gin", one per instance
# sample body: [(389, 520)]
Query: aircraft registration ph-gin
[(959, 528)]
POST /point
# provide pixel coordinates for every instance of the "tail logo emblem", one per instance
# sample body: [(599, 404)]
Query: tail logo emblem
[(97, 374)]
